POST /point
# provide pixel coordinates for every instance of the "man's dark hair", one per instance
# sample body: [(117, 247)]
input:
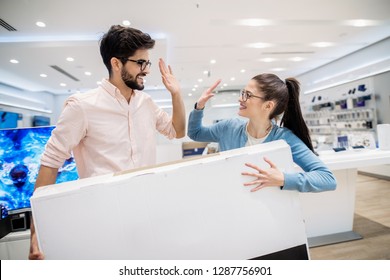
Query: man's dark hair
[(122, 42)]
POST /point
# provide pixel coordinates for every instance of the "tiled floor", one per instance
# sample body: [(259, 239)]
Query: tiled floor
[(371, 221), (378, 171)]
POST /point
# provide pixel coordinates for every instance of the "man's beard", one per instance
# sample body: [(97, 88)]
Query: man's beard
[(130, 81)]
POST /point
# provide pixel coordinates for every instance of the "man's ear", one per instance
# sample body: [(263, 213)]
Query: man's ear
[(116, 64)]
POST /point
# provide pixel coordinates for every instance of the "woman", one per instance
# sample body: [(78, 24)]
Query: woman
[(264, 99)]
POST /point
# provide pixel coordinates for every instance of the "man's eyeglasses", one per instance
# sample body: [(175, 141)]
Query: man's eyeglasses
[(141, 62), (245, 95)]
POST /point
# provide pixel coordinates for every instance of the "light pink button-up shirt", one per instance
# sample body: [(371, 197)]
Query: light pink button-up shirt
[(106, 133)]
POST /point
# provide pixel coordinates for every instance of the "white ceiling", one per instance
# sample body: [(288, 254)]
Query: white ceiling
[(189, 35)]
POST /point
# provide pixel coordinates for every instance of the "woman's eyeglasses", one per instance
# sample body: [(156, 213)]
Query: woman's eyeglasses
[(245, 95)]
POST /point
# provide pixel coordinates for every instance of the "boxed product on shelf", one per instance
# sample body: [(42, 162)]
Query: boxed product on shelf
[(193, 148)]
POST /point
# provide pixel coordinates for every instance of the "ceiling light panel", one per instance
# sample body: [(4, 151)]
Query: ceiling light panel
[(40, 24), (255, 22)]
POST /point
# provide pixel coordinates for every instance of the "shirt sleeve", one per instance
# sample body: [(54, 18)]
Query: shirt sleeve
[(69, 130), (316, 176), (198, 132), (164, 123)]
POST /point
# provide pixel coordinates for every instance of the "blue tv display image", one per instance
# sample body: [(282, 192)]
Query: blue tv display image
[(9, 119), (41, 121), (20, 154)]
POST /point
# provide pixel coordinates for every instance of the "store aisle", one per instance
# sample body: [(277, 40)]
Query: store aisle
[(372, 221)]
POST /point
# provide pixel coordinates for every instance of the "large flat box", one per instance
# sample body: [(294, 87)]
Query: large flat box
[(192, 209), (193, 148)]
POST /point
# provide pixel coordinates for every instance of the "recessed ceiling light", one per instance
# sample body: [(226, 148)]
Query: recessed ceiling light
[(200, 80), (43, 75), (193, 89), (195, 86), (232, 79), (99, 82), (296, 59), (255, 22), (88, 73), (258, 45), (40, 24), (213, 61), (322, 44), (190, 94), (225, 85), (278, 69), (63, 84), (361, 22), (205, 72), (70, 59), (242, 70), (268, 59), (126, 23), (14, 61)]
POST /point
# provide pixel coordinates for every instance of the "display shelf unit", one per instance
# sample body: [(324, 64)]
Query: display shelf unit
[(354, 117)]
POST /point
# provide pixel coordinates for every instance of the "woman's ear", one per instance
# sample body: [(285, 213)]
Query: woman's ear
[(270, 105)]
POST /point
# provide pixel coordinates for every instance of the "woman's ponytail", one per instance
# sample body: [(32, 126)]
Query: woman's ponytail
[(292, 117)]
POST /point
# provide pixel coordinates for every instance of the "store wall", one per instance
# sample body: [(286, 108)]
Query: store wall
[(382, 93), (372, 63), (369, 61), (27, 103), (59, 101), (377, 85), (339, 81)]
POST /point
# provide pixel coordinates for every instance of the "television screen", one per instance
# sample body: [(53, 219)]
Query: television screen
[(41, 121), (9, 119), (20, 153)]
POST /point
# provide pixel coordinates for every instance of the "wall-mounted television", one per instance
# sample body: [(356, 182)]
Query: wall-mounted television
[(9, 119), (20, 153), (40, 121)]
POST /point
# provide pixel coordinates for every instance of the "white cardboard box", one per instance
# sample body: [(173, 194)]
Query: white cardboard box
[(195, 209)]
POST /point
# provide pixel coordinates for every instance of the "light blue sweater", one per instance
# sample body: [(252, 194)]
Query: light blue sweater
[(231, 134)]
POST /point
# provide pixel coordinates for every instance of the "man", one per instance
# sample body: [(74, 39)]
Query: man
[(112, 128)]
